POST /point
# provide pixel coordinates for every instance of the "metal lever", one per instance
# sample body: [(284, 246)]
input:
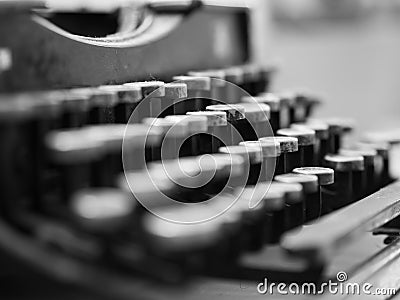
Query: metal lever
[(320, 240)]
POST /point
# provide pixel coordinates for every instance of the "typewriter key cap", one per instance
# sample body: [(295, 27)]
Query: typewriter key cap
[(173, 102), (189, 174), (217, 133), (275, 104), (149, 192), (125, 147), (301, 104), (294, 203), (235, 115), (197, 125), (153, 92), (75, 104), (272, 199), (257, 78), (383, 150), (270, 151), (338, 128), (341, 192), (390, 135), (288, 158), (198, 89), (250, 77), (275, 223), (231, 225), (235, 78), (218, 87), (167, 237), (364, 180), (186, 245), (312, 205), (306, 141), (257, 121), (229, 173), (175, 133), (102, 105), (253, 231), (24, 119), (253, 160), (128, 99), (321, 139), (73, 152), (312, 102), (265, 76), (102, 210), (325, 177)]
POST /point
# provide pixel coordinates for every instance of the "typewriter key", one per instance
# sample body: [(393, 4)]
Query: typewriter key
[(250, 77), (231, 224), (102, 210), (321, 139), (253, 230), (198, 89), (73, 152), (256, 78), (257, 121), (306, 141), (218, 92), (217, 134), (197, 125), (235, 115), (337, 129), (171, 103), (272, 200), (312, 102), (177, 241), (174, 134), (383, 150), (265, 76), (153, 93), (124, 149), (229, 173), (252, 157), (325, 178), (270, 151), (103, 103), (288, 157), (75, 104), (301, 103), (294, 203), (189, 174), (235, 76), (149, 189), (274, 102), (24, 120), (186, 245), (364, 181), (341, 192), (128, 98), (312, 199)]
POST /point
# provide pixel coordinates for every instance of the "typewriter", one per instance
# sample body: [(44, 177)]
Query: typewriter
[(146, 155)]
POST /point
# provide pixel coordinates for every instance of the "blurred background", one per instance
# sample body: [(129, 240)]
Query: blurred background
[(345, 50)]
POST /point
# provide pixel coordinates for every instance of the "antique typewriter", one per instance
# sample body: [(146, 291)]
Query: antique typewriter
[(145, 155)]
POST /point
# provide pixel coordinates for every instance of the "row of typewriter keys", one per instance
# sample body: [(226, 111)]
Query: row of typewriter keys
[(64, 148)]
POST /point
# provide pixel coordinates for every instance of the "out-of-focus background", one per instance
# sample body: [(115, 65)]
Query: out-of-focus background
[(346, 50)]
